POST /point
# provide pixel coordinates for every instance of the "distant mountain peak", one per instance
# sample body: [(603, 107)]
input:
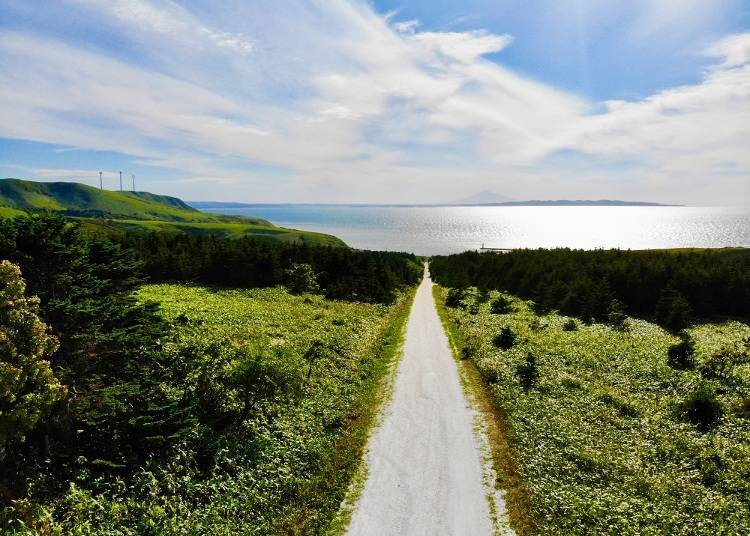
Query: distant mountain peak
[(485, 197)]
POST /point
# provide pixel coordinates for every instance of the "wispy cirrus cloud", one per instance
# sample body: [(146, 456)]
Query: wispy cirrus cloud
[(169, 19)]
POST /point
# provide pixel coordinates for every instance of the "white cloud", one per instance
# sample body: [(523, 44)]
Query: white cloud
[(170, 19), (734, 50), (336, 97), (407, 26), (698, 132), (465, 47)]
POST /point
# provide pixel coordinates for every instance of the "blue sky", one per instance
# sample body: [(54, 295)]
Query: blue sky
[(384, 101)]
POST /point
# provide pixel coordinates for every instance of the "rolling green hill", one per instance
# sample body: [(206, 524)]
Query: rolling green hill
[(73, 199), (108, 212)]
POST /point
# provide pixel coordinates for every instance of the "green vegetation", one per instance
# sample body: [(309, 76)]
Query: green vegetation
[(113, 214), (220, 411), (604, 433), (340, 273), (117, 229), (6, 212), (28, 389), (75, 199), (672, 287)]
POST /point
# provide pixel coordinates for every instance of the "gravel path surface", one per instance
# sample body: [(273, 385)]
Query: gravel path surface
[(425, 472)]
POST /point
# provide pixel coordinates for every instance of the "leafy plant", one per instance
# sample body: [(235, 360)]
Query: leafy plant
[(608, 403), (469, 350)]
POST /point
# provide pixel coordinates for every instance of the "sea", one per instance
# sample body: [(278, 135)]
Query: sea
[(441, 230)]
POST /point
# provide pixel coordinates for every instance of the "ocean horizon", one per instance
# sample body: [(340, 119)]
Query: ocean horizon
[(446, 229)]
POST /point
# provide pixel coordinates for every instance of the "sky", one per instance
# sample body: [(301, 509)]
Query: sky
[(393, 101)]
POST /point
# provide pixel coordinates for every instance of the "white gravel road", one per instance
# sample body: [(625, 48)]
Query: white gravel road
[(425, 467)]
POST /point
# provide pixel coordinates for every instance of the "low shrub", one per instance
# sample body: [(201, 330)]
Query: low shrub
[(719, 365), (505, 340), (673, 311), (483, 296), (570, 325), (528, 371), (703, 407), (468, 351), (301, 278), (455, 297), (596, 404), (681, 355), (617, 316), (501, 306)]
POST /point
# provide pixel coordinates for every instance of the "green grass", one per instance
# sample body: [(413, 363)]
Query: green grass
[(601, 438), (113, 213), (287, 465), (81, 200), (7, 212), (225, 229)]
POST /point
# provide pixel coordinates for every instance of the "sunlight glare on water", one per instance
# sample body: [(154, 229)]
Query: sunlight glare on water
[(442, 230)]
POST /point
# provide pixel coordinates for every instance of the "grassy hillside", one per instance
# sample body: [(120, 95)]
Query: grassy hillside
[(7, 212), (108, 212), (75, 199), (613, 432)]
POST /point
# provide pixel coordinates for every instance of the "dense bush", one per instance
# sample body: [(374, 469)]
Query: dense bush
[(528, 371), (617, 316), (671, 286), (505, 339), (300, 278), (455, 297), (703, 407), (720, 364), (28, 388), (500, 306), (108, 356), (673, 311)]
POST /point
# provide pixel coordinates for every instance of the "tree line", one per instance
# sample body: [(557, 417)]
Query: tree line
[(340, 273), (669, 286)]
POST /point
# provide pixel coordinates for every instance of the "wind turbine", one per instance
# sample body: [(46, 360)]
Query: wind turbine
[(121, 181), (133, 175), (101, 185)]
